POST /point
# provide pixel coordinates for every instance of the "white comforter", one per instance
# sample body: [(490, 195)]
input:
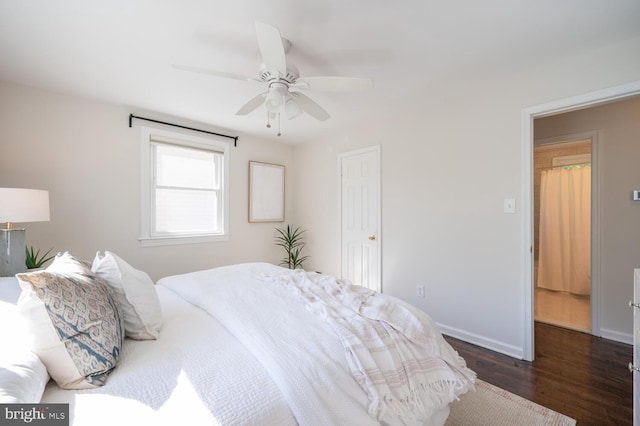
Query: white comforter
[(253, 355), (301, 352)]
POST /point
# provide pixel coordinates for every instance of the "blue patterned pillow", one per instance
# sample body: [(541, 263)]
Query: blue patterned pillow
[(74, 321)]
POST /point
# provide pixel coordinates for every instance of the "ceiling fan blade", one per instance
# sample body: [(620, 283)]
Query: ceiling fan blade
[(271, 47), (336, 84), (310, 106), (222, 74), (254, 103)]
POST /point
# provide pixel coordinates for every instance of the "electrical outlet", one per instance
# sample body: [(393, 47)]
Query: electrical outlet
[(420, 290)]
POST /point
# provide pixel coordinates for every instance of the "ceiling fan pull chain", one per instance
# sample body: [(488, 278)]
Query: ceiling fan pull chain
[(279, 115), (268, 123)]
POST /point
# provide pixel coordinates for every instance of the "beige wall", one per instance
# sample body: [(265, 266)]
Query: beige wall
[(618, 130), (88, 158), (448, 161)]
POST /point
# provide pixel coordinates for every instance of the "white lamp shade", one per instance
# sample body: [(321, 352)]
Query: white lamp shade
[(24, 205)]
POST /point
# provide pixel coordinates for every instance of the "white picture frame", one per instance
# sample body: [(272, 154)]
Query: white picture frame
[(266, 192)]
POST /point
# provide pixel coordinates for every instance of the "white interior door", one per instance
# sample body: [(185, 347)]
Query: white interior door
[(360, 217)]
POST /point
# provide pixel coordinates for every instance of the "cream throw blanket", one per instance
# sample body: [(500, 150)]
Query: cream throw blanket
[(394, 350)]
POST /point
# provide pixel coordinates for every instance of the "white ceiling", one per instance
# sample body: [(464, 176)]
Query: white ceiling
[(121, 50)]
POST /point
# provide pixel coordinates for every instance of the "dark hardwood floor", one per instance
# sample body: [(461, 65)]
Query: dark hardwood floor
[(574, 373)]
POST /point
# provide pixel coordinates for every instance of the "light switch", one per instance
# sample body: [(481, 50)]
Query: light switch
[(509, 205), (636, 195)]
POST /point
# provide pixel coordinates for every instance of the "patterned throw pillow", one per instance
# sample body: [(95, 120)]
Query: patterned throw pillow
[(74, 322)]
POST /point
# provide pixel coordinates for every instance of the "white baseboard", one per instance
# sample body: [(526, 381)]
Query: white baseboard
[(494, 345), (514, 351), (616, 336)]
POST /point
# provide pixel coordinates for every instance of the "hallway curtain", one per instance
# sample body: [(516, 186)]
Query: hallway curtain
[(564, 261)]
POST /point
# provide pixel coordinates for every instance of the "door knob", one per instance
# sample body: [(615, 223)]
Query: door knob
[(372, 237)]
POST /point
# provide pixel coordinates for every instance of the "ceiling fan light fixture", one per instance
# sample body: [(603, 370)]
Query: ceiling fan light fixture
[(276, 97), (273, 102), (291, 108)]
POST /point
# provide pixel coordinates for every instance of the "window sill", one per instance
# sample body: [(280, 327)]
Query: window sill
[(168, 241)]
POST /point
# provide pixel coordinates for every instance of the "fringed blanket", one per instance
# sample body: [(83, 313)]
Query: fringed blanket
[(394, 350)]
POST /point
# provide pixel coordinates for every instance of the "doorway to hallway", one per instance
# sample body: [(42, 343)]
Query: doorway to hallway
[(562, 206)]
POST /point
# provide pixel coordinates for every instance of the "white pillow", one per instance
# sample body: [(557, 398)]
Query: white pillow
[(22, 379), (136, 294), (74, 322)]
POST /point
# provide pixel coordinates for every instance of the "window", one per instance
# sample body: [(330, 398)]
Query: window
[(184, 188)]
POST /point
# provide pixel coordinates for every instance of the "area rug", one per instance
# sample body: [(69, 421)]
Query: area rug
[(491, 406)]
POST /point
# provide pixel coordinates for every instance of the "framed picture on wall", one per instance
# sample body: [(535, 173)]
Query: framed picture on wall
[(266, 192)]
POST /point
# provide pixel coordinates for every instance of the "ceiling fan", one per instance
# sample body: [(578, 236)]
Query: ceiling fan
[(283, 96)]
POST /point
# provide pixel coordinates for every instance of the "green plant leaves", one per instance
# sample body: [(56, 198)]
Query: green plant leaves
[(291, 240), (33, 260)]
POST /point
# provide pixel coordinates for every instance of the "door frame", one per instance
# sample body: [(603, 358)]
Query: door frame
[(375, 149), (573, 103)]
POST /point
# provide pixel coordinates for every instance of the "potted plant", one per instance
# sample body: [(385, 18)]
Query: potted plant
[(291, 241), (34, 260)]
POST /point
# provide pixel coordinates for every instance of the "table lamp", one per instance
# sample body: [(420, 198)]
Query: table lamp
[(18, 205)]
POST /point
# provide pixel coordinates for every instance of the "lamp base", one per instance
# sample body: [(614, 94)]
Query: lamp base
[(12, 252)]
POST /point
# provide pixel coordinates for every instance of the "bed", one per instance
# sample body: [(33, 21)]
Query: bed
[(237, 345)]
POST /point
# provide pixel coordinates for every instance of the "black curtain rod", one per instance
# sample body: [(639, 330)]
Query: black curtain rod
[(131, 117)]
